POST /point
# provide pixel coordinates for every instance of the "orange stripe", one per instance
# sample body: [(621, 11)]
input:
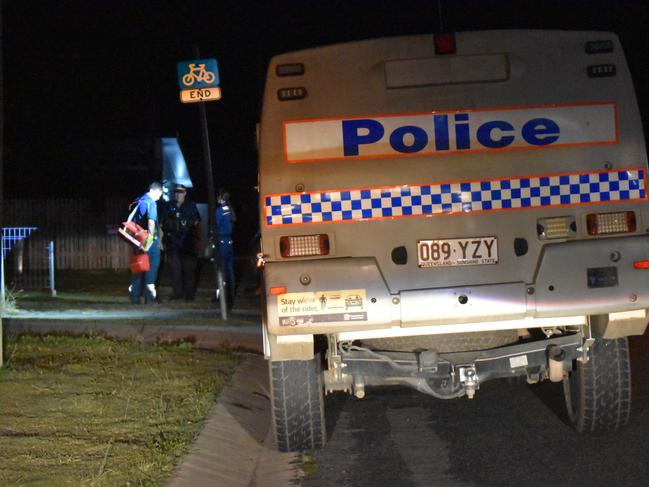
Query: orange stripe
[(455, 110), (546, 175)]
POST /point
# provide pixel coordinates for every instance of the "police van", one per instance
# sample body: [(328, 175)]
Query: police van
[(441, 210)]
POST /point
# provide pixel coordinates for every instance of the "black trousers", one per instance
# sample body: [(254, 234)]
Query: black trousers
[(182, 268)]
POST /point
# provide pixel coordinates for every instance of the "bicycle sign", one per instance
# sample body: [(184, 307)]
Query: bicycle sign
[(199, 73), (199, 80)]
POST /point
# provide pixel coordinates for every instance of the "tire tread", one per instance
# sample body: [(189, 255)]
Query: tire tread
[(297, 405), (604, 404)]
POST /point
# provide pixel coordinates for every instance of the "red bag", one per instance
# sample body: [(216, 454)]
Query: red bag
[(133, 233), (140, 263)]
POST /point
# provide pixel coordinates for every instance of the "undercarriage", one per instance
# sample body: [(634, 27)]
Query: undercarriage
[(450, 375)]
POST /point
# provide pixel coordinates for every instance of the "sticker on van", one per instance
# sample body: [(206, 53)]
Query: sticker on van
[(322, 307), (435, 133), (519, 193)]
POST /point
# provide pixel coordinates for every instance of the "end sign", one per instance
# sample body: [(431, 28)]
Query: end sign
[(200, 94), (199, 80)]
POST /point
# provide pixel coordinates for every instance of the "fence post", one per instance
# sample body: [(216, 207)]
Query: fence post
[(2, 279), (50, 249)]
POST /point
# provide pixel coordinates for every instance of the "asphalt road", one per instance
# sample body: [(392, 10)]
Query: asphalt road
[(510, 434)]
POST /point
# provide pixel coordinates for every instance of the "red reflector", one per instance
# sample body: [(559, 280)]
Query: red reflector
[(274, 291), (608, 223), (445, 43), (641, 264)]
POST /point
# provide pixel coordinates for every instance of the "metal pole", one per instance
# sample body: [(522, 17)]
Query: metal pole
[(2, 304), (50, 248), (1, 175), (211, 206)]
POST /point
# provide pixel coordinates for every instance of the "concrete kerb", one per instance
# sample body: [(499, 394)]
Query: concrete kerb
[(241, 335), (236, 446)]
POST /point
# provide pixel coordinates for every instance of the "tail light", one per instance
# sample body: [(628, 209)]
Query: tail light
[(609, 223), (304, 245)]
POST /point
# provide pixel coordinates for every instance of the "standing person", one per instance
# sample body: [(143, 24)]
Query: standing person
[(145, 214), (182, 243), (225, 219)]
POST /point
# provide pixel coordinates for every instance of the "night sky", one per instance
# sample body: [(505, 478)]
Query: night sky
[(89, 84)]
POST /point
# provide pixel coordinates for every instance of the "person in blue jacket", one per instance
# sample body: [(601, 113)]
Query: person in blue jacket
[(225, 219), (145, 214)]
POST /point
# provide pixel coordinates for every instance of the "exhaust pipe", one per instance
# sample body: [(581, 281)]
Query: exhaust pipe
[(359, 387), (556, 357)]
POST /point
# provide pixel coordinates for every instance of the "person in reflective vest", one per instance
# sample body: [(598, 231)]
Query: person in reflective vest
[(146, 215), (225, 219)]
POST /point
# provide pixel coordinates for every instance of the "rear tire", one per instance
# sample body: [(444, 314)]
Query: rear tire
[(598, 393), (297, 404)]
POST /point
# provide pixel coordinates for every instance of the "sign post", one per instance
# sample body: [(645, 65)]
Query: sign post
[(199, 81)]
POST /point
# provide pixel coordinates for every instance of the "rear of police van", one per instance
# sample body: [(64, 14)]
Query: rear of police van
[(436, 195)]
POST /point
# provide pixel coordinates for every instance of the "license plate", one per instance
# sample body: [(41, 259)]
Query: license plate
[(457, 251)]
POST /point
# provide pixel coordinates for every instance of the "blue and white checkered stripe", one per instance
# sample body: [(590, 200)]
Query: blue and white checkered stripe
[(462, 197)]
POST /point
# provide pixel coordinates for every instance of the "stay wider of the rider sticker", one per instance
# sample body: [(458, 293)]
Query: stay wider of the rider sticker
[(295, 309)]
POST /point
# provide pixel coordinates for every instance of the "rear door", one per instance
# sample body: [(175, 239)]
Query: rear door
[(453, 160)]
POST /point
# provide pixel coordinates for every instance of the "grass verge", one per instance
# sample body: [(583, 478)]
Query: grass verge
[(91, 411)]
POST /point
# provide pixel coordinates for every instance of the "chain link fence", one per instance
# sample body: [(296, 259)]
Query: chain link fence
[(28, 259)]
